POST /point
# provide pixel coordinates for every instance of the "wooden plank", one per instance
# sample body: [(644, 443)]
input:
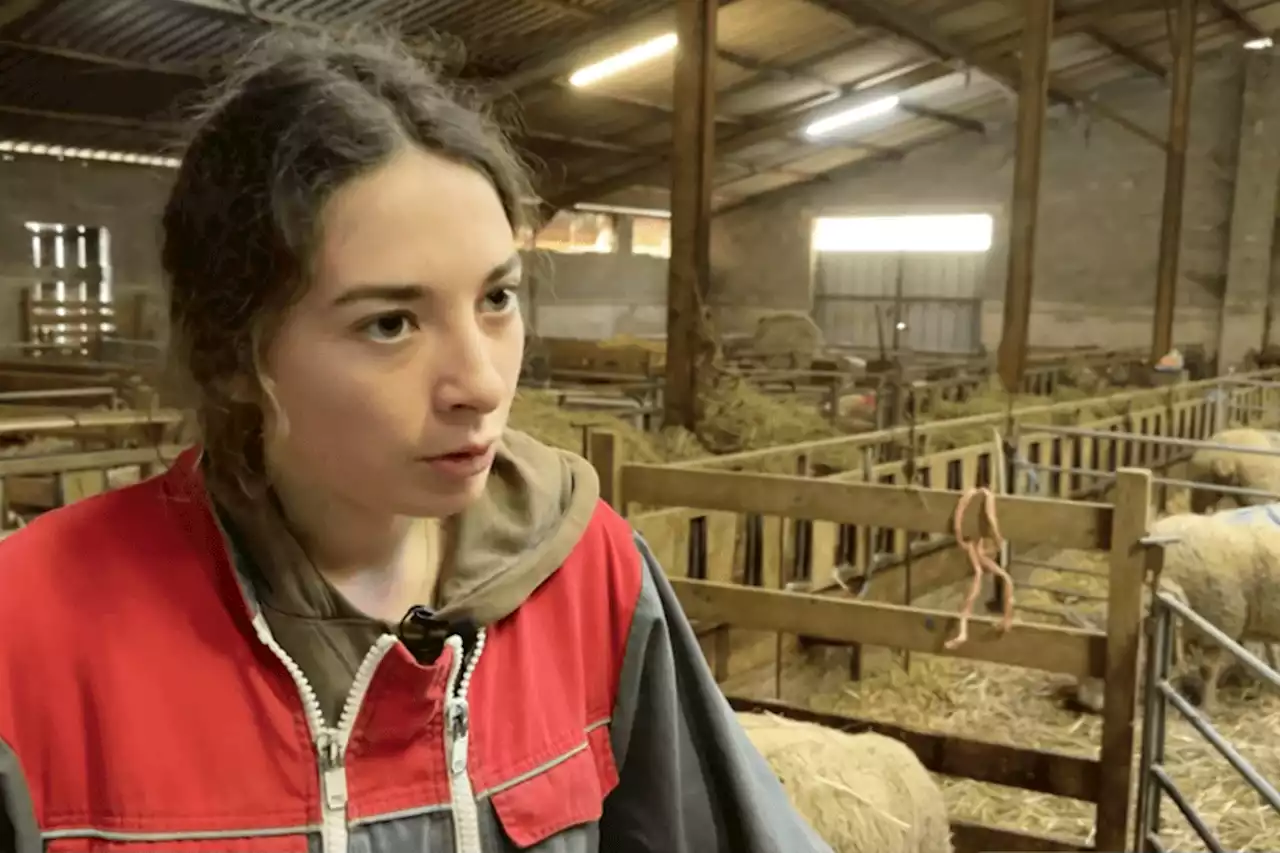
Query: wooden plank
[(1042, 771), (722, 536), (28, 493), (1124, 627), (666, 532), (1039, 520), (842, 620), (76, 485), (969, 837), (603, 450), (91, 419), (19, 466)]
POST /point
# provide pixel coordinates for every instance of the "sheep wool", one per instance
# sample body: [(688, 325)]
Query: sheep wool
[(1227, 566), (1225, 468), (863, 793)]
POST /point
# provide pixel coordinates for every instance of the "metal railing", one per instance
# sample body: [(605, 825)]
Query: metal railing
[(1154, 781)]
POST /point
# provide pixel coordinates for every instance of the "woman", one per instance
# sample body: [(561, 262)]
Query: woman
[(365, 615)]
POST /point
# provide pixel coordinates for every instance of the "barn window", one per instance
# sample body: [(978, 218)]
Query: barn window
[(573, 232), (70, 302), (965, 232), (651, 235)]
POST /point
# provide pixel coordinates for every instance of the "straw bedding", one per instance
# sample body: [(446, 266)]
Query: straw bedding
[(737, 417), (862, 793), (1024, 708)]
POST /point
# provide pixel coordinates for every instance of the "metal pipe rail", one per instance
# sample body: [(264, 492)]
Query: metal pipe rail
[(1249, 383), (1191, 443), (57, 394), (1154, 780), (1070, 570), (1166, 481)]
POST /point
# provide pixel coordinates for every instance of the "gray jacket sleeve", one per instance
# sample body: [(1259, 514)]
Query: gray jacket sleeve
[(18, 830), (691, 782)]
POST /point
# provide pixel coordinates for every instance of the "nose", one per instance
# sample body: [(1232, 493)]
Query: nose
[(467, 374)]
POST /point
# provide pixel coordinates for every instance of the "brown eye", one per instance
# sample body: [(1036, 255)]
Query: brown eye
[(500, 300), (389, 328)]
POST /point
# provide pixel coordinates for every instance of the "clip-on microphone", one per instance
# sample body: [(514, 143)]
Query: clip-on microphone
[(424, 635)]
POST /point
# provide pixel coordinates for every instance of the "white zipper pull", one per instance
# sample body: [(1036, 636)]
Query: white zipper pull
[(457, 740), (333, 775), (459, 735)]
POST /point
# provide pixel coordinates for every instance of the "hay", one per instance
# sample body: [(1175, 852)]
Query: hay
[(786, 340), (653, 345), (862, 793), (1040, 589), (40, 446), (1023, 708), (537, 413), (737, 416)]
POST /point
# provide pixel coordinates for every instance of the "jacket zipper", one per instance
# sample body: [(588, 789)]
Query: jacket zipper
[(331, 742), (457, 738)]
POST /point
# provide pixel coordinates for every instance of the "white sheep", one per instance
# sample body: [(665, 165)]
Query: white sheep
[(863, 793), (1227, 566), (1213, 467)]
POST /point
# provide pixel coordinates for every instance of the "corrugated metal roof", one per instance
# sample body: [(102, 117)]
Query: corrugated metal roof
[(143, 31), (112, 73)]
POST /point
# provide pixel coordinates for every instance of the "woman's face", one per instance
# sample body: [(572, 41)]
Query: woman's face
[(395, 372)]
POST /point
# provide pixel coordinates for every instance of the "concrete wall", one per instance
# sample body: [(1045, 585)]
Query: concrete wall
[(598, 296), (576, 295), (125, 199), (1099, 216)]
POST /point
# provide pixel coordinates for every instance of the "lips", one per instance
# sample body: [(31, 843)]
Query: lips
[(471, 451)]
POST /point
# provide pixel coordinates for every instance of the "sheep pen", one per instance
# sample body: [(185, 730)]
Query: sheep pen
[(863, 793), (1025, 707)]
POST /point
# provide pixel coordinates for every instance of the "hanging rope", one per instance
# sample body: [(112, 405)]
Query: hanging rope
[(989, 536)]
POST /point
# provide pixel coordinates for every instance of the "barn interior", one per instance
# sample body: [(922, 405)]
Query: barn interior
[(806, 274)]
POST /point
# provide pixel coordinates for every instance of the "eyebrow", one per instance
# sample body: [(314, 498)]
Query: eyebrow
[(414, 292)]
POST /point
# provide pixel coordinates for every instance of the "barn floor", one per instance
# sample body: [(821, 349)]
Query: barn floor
[(1024, 708)]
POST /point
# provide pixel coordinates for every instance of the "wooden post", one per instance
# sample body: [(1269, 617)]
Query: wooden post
[(603, 454), (692, 171), (1124, 627), (27, 332), (1175, 178), (1033, 98)]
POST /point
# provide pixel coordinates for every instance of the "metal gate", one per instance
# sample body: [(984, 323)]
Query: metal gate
[(924, 302), (1154, 780)]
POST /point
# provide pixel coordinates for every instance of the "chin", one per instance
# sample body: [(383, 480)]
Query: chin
[(444, 499)]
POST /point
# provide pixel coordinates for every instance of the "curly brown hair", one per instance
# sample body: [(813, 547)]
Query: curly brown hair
[(295, 119)]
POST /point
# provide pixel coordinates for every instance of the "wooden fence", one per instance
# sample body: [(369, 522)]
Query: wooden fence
[(717, 599)]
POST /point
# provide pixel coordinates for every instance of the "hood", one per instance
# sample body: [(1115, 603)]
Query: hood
[(536, 505), (535, 508)]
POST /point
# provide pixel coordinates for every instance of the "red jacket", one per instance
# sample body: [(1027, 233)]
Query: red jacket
[(147, 707)]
